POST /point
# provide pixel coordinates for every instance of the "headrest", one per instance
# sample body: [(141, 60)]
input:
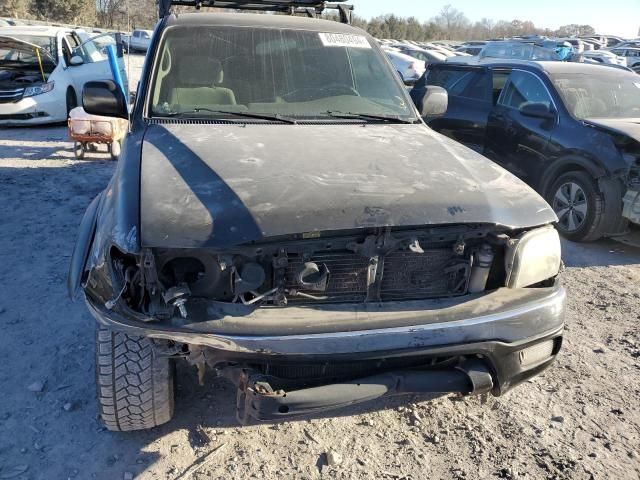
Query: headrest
[(199, 71)]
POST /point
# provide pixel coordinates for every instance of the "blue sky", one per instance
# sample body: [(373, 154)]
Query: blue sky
[(621, 17)]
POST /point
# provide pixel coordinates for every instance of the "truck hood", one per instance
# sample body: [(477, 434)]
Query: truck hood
[(624, 126), (208, 185)]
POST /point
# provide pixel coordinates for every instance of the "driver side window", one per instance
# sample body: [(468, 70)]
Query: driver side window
[(523, 88)]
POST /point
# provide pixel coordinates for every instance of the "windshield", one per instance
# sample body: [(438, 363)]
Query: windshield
[(611, 94), (209, 71), (24, 54)]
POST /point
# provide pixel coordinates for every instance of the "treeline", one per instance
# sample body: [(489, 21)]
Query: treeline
[(452, 24), (115, 14), (448, 24), (67, 11)]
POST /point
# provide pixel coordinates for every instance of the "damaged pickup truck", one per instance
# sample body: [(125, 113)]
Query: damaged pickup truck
[(282, 216)]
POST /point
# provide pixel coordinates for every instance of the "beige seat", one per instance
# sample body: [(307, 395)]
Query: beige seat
[(198, 80)]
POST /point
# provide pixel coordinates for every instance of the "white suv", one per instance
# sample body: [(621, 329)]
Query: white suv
[(43, 70), (632, 55)]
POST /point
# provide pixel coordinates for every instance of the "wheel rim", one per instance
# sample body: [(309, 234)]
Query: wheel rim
[(570, 205)]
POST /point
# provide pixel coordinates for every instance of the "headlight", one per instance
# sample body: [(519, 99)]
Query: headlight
[(38, 90), (535, 257)]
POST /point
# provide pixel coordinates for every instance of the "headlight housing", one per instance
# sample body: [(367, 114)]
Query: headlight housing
[(533, 258), (38, 89)]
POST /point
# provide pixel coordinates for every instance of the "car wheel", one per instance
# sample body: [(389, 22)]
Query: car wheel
[(72, 100), (135, 386), (575, 198), (78, 150), (114, 150)]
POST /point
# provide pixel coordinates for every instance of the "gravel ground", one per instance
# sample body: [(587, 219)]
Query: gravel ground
[(579, 420)]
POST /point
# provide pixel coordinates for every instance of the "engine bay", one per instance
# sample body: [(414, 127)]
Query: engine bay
[(378, 265)]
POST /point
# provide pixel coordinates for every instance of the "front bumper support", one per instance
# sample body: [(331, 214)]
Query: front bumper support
[(258, 401), (508, 316)]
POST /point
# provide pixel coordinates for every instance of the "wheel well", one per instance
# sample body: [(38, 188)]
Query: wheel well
[(73, 91), (564, 166)]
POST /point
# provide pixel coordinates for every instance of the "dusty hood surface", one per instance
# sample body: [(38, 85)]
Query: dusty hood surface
[(625, 126), (220, 185)]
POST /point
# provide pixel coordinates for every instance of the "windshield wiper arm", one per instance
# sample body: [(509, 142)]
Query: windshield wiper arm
[(261, 116), (370, 116)]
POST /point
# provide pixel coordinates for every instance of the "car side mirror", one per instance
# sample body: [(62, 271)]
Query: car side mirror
[(537, 110), (76, 60), (104, 97), (434, 102)]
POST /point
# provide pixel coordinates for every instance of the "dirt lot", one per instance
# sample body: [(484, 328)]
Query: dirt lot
[(581, 419)]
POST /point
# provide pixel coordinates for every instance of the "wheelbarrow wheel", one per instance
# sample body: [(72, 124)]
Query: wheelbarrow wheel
[(78, 150), (92, 147), (114, 150)]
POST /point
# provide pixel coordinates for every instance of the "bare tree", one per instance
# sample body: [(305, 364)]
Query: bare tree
[(14, 8), (452, 21)]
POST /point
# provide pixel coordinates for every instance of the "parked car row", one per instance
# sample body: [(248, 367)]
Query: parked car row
[(411, 58)]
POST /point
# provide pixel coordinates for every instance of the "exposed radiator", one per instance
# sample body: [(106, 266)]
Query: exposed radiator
[(406, 276)]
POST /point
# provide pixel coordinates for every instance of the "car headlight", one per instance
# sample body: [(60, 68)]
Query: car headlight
[(38, 90), (533, 257)]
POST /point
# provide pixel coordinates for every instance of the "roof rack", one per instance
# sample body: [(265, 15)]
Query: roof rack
[(311, 8)]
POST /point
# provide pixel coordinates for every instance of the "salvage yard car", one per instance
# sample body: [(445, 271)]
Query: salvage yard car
[(281, 215), (43, 70), (569, 130)]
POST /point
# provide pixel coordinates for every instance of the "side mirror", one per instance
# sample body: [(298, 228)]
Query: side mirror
[(104, 98), (76, 60), (537, 110), (434, 102)]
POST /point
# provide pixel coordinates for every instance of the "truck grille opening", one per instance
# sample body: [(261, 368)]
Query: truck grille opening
[(405, 276)]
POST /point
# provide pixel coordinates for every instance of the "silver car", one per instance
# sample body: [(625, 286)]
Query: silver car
[(409, 68)]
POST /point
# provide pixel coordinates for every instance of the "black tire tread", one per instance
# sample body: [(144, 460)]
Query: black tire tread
[(135, 387)]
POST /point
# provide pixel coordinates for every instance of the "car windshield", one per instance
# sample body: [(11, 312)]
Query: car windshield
[(613, 94), (212, 71), (23, 54)]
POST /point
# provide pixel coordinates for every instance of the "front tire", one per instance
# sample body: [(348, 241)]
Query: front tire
[(135, 386)]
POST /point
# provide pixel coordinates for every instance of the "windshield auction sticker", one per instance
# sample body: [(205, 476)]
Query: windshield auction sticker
[(344, 40)]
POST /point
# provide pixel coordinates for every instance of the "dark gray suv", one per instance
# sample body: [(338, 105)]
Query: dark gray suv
[(281, 215)]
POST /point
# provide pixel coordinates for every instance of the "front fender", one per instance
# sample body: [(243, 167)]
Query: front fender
[(86, 232)]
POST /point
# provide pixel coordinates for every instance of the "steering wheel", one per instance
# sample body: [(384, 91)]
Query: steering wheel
[(312, 93)]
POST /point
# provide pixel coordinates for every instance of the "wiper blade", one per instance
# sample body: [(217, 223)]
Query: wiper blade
[(261, 116), (370, 116)]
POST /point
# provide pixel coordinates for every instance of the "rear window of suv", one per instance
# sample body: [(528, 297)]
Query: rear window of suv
[(273, 71), (459, 82)]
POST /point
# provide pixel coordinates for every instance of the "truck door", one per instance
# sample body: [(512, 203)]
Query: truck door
[(520, 142), (469, 90)]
